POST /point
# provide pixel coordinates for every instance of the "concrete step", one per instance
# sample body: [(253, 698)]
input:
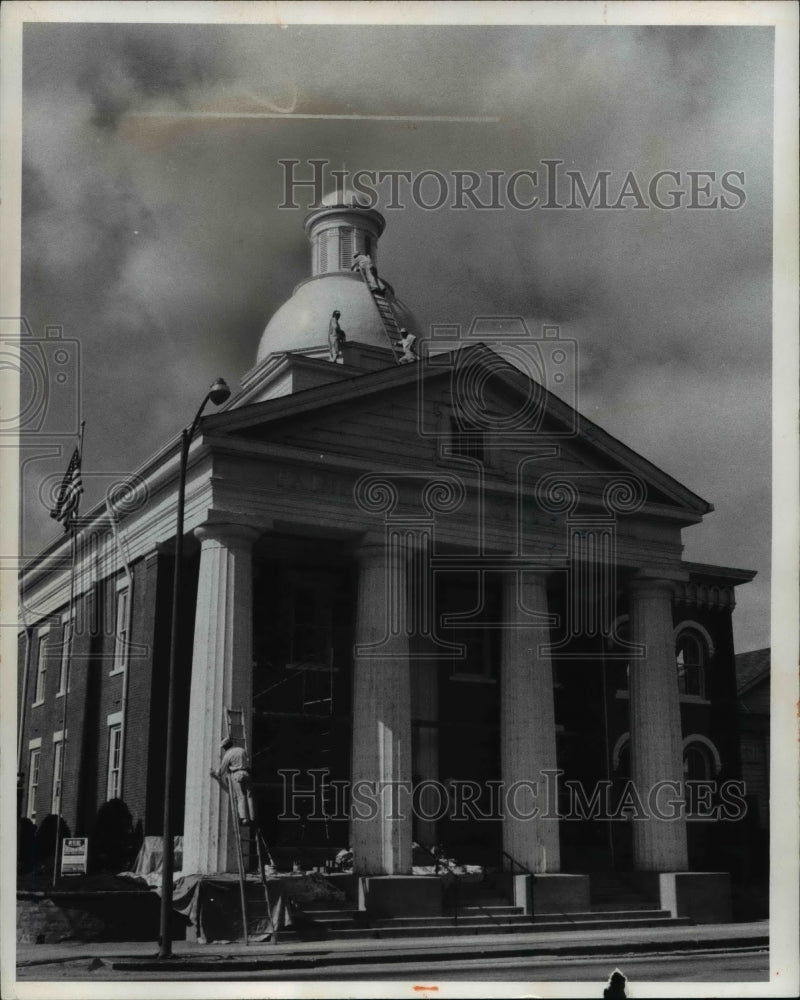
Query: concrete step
[(597, 925), (477, 899), (616, 903), (463, 929), (603, 915), (465, 906), (425, 931), (448, 921)]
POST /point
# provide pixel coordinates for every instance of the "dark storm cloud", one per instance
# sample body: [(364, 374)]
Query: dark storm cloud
[(118, 69), (159, 242)]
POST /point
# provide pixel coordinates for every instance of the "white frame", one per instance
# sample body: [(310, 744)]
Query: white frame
[(698, 635), (34, 753), (67, 636), (121, 636), (114, 748), (58, 775), (41, 667)]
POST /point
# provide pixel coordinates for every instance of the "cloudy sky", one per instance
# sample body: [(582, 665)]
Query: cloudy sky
[(158, 244)]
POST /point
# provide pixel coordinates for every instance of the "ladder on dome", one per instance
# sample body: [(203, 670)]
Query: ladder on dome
[(245, 834), (388, 318)]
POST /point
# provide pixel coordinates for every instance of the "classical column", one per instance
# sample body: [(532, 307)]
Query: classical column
[(381, 837), (659, 842), (527, 725), (222, 676)]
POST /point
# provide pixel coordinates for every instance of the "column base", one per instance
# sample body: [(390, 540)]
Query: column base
[(400, 895), (704, 897), (556, 893)]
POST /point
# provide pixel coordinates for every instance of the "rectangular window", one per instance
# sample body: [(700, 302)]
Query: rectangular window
[(66, 652), (121, 631), (41, 670), (325, 240), (346, 247), (33, 783), (114, 761), (480, 604), (58, 761)]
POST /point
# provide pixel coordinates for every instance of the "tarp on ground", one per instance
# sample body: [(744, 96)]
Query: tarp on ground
[(212, 904)]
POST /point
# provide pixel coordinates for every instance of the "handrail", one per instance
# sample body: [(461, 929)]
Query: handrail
[(525, 870), (519, 864), (439, 860)]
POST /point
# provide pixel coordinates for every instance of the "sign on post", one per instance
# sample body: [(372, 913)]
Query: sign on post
[(74, 855)]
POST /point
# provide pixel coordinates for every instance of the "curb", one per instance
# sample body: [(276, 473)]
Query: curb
[(330, 959)]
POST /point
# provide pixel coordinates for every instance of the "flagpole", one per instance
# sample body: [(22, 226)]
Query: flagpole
[(71, 626)]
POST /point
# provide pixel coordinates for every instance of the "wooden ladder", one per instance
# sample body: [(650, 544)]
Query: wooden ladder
[(245, 835), (388, 319)]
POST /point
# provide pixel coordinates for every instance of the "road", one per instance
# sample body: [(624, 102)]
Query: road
[(740, 965)]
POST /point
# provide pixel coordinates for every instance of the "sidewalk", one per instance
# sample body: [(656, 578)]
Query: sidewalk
[(140, 956)]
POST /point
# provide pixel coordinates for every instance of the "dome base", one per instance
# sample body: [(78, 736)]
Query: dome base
[(302, 322), (285, 372)]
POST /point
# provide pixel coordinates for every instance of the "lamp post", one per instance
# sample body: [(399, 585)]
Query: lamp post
[(217, 394)]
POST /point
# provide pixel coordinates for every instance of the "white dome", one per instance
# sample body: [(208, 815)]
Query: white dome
[(302, 322), (345, 197)]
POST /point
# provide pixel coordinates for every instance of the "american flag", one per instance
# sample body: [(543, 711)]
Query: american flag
[(69, 492)]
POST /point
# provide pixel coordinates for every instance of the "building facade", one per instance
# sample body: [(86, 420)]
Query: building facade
[(453, 610)]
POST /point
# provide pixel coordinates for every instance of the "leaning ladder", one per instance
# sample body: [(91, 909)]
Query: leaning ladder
[(237, 731), (388, 319)]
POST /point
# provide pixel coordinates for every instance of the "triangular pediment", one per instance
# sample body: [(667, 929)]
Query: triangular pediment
[(462, 403)]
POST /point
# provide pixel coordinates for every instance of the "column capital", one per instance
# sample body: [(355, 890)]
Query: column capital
[(534, 575), (661, 572), (376, 549), (370, 550), (228, 533), (651, 586)]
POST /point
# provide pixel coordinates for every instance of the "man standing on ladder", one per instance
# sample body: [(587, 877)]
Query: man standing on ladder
[(363, 262), (234, 763), (406, 344)]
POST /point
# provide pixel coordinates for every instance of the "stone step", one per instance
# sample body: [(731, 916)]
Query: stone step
[(449, 920), (595, 925), (618, 903), (463, 929), (354, 920), (330, 918), (330, 914), (495, 907), (617, 897), (603, 915)]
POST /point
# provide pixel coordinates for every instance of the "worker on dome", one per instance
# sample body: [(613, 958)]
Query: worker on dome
[(406, 342), (363, 262), (235, 766), (336, 339)]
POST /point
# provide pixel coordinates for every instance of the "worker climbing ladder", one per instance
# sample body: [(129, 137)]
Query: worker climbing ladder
[(247, 834), (380, 296)]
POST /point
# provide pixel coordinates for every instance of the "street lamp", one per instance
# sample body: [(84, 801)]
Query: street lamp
[(217, 394)]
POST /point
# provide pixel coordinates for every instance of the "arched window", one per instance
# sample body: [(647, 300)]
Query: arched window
[(621, 756), (691, 657), (701, 759), (617, 664), (696, 763)]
